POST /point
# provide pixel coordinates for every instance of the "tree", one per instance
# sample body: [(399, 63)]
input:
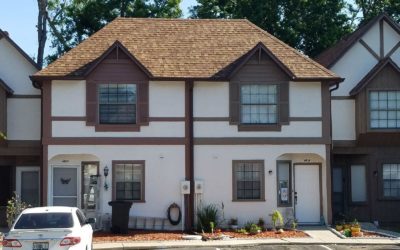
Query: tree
[(308, 25), (365, 10), (42, 30), (72, 21)]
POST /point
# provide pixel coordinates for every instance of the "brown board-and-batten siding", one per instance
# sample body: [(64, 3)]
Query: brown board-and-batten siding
[(117, 67), (259, 69)]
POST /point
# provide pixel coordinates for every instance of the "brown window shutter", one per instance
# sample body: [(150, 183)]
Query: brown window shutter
[(234, 103), (91, 103), (142, 103), (284, 102)]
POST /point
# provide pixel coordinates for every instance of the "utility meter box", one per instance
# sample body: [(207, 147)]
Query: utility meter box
[(199, 187), (185, 187)]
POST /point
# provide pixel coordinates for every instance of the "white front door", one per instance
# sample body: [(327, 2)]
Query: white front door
[(27, 185), (307, 191), (66, 186)]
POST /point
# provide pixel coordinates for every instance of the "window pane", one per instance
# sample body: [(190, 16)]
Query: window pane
[(128, 178), (259, 104), (391, 180), (248, 178), (117, 103), (384, 107), (358, 183), (283, 183)]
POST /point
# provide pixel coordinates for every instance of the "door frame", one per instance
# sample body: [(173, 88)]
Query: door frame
[(319, 164), (78, 181), (18, 172)]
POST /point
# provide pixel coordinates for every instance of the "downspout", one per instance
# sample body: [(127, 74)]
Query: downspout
[(335, 87), (189, 154), (38, 85)]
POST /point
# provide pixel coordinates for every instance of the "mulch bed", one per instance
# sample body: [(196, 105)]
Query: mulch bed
[(137, 235), (265, 234), (141, 235)]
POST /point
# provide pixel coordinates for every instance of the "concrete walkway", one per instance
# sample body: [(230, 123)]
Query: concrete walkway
[(318, 235)]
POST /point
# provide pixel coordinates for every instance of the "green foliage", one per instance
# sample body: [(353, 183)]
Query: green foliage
[(308, 25), (347, 232), (366, 10), (241, 231), (72, 21), (14, 207), (2, 136), (276, 216), (252, 228), (207, 216)]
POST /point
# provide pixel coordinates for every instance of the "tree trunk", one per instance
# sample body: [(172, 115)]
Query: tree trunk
[(42, 30)]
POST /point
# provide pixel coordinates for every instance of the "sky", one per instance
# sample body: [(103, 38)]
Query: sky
[(19, 19)]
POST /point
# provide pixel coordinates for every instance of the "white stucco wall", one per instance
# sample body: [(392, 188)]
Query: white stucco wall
[(211, 99), (68, 98), (343, 120), (213, 165), (164, 171), (353, 66), (372, 38), (23, 119), (396, 56), (224, 129), (305, 99), (166, 99), (154, 129), (391, 37), (15, 70)]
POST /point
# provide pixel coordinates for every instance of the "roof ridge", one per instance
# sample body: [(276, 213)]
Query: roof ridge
[(184, 19), (291, 48)]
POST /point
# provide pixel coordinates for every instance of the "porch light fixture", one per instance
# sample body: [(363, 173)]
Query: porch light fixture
[(105, 171), (270, 172)]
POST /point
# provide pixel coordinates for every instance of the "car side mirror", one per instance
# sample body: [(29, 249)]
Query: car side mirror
[(90, 220)]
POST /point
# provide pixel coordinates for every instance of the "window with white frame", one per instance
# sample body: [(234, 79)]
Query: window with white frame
[(117, 103), (248, 180), (391, 180), (259, 104), (384, 109), (129, 180)]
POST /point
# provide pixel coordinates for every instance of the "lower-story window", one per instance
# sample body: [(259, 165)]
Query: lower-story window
[(248, 180), (128, 180), (391, 180)]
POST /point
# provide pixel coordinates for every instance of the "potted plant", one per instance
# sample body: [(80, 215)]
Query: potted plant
[(355, 227), (233, 223), (339, 225), (346, 225)]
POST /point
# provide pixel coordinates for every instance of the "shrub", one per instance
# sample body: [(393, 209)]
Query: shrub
[(252, 228), (207, 216), (276, 216), (14, 207)]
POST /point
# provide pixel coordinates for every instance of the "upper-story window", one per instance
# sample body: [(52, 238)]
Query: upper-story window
[(117, 103), (384, 109), (259, 104)]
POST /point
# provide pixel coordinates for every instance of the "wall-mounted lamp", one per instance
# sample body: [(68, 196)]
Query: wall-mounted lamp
[(270, 172), (375, 173), (105, 171)]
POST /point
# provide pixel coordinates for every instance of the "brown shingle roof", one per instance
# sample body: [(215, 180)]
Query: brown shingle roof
[(183, 48)]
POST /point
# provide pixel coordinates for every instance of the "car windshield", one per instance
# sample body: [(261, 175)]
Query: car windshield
[(44, 220)]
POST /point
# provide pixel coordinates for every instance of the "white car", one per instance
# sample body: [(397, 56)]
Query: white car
[(47, 228)]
